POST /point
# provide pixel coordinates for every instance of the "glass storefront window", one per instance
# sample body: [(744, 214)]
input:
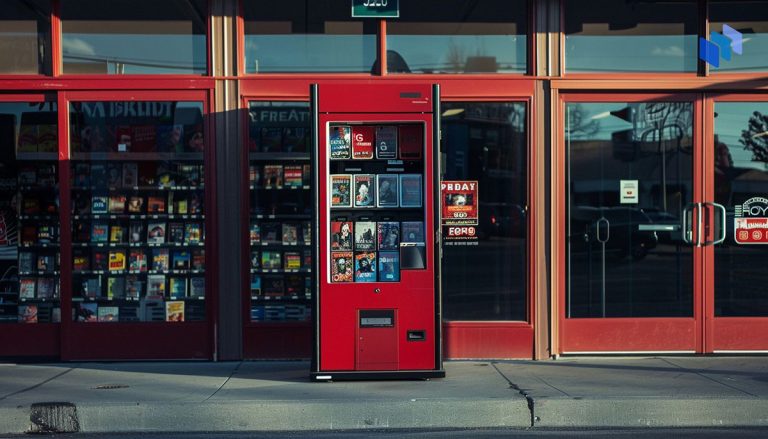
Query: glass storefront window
[(307, 36), (458, 36), (487, 142), (280, 226), (628, 256), (631, 36), (137, 37), (741, 178), (25, 37), (751, 19), (29, 213), (138, 214)]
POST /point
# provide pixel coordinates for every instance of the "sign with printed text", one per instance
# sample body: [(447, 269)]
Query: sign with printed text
[(751, 221), (376, 8), (629, 192), (459, 202)]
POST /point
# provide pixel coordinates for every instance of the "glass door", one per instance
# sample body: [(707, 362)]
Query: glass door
[(737, 186), (630, 244)]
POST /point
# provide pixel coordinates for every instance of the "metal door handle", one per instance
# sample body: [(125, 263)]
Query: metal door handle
[(723, 232), (688, 231), (603, 220)]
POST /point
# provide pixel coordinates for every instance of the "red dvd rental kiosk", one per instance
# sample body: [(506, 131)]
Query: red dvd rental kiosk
[(377, 312)]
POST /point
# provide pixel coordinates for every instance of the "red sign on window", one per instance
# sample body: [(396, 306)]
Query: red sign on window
[(459, 200)]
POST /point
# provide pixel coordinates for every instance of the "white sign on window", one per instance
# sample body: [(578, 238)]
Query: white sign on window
[(628, 192)]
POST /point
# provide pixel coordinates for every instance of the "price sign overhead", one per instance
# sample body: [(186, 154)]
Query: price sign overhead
[(376, 8)]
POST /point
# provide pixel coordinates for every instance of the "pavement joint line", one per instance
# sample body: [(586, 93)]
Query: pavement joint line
[(232, 373), (546, 383), (528, 398), (707, 377), (27, 389)]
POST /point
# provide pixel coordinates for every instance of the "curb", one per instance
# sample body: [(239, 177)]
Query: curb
[(651, 412), (317, 415)]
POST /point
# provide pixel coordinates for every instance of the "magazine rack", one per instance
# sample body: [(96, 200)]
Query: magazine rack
[(377, 311)]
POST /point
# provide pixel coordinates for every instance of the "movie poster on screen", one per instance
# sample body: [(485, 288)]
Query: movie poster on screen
[(460, 212)]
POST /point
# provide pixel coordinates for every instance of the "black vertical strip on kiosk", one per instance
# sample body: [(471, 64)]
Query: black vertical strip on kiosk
[(313, 158), (436, 224)]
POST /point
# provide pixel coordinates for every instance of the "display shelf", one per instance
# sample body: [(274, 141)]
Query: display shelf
[(278, 156), (137, 216), (282, 216), (292, 298), (37, 156), (137, 156), (278, 188), (280, 270), (118, 189)]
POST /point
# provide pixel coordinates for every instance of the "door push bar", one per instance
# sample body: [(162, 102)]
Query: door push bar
[(688, 230)]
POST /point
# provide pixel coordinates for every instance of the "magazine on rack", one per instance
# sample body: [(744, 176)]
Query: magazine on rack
[(410, 190), (341, 190), (387, 190), (362, 142), (341, 267), (365, 190), (365, 267), (389, 266), (341, 235), (365, 235), (388, 235), (386, 142), (339, 142)]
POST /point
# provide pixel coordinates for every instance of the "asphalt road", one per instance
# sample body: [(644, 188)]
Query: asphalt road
[(687, 433)]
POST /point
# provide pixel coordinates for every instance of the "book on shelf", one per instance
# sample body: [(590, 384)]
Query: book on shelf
[(340, 142), (181, 260), (365, 235), (342, 235), (271, 233), (181, 206), (114, 175), (81, 232), (98, 175), (82, 175), (176, 232), (255, 286), (306, 175), (174, 311), (254, 175), (292, 176), (341, 190), (133, 287), (108, 313), (193, 233), (388, 235), (99, 260), (81, 203), (365, 267), (412, 232), (28, 234), (290, 234), (99, 204), (198, 259), (307, 258), (273, 285), (365, 190), (160, 259), (130, 175), (27, 314), (137, 261), (87, 312), (387, 190), (156, 285), (389, 266), (342, 266), (47, 234), (26, 288), (26, 262), (45, 263), (292, 260), (81, 262), (117, 204), (30, 206), (255, 233), (271, 260), (411, 141), (156, 232), (136, 232), (197, 287), (306, 233), (155, 204), (170, 138), (46, 288), (135, 204), (362, 142), (273, 175), (410, 190), (91, 287), (117, 260), (115, 287), (255, 260), (294, 284), (177, 287), (386, 142), (116, 233)]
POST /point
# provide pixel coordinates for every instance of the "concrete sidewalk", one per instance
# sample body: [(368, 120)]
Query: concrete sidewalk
[(278, 396)]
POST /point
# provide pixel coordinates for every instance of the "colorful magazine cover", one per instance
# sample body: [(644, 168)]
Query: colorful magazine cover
[(271, 260), (156, 233), (255, 233), (133, 288), (177, 287), (87, 312), (411, 141), (108, 314), (388, 235), (342, 235), (365, 267), (410, 190), (389, 266), (342, 267), (412, 231), (365, 190), (137, 261), (339, 142), (290, 234), (387, 190), (160, 260), (99, 231), (273, 176), (117, 260), (365, 235), (292, 260), (362, 142), (341, 190), (386, 142), (292, 176), (197, 287), (174, 311), (27, 314)]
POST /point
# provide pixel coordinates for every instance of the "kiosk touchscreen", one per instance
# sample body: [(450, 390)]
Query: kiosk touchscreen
[(377, 311)]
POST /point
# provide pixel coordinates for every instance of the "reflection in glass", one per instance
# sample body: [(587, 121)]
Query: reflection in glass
[(487, 142), (29, 213), (138, 217), (631, 36), (741, 173), (627, 252), (25, 37), (458, 36), (136, 37), (280, 226), (307, 36), (751, 19)]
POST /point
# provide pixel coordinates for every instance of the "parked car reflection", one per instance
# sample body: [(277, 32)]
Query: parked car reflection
[(616, 227)]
